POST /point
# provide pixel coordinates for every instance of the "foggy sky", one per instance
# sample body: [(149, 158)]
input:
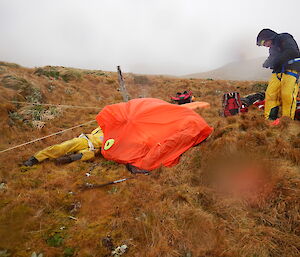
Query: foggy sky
[(173, 37)]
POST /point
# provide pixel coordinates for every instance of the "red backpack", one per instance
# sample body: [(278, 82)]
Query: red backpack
[(231, 104), (182, 98)]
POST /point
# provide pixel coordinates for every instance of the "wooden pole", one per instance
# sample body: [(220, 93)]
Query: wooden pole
[(123, 89)]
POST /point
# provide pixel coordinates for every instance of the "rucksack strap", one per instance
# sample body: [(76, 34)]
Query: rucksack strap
[(283, 70), (296, 75), (294, 60), (91, 146)]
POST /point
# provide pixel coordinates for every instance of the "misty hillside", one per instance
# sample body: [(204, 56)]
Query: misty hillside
[(242, 70), (235, 194)]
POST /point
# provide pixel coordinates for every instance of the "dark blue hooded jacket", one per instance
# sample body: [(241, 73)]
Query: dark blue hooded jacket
[(283, 49)]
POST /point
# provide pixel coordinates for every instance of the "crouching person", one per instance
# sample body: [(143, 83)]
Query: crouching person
[(82, 148)]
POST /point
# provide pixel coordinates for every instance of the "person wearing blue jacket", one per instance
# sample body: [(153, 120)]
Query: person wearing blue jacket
[(284, 60)]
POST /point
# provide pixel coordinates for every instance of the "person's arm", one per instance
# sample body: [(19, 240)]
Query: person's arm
[(96, 130), (269, 62), (289, 51)]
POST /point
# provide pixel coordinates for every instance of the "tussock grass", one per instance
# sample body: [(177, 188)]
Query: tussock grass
[(10, 64), (236, 194)]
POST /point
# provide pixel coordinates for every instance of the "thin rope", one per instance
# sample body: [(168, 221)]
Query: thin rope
[(56, 133), (59, 105)]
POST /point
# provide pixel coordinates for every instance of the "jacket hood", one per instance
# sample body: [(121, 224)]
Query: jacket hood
[(265, 34)]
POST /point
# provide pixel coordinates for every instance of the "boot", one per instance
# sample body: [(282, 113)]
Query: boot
[(31, 161), (136, 170), (68, 158)]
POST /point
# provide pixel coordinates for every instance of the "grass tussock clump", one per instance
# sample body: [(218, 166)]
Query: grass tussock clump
[(66, 75), (235, 194), (71, 75), (22, 87), (259, 87), (141, 79), (48, 71), (9, 64)]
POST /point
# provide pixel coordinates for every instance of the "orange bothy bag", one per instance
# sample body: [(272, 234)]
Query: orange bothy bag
[(149, 132)]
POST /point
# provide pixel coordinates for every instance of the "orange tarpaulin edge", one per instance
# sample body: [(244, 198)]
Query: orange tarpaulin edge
[(195, 105)]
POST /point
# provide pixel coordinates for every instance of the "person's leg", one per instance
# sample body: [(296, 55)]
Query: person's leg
[(55, 151), (87, 154), (68, 158), (272, 100), (289, 91), (83, 155)]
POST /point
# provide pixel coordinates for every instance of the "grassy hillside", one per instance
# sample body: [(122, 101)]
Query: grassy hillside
[(236, 194)]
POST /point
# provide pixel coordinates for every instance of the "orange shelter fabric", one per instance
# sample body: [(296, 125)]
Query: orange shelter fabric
[(149, 132)]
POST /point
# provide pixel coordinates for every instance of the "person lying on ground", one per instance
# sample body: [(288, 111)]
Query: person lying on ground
[(233, 104), (258, 99), (82, 148)]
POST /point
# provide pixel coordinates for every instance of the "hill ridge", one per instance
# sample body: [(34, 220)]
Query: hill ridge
[(250, 69)]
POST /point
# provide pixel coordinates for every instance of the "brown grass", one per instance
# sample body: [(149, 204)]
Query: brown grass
[(236, 194)]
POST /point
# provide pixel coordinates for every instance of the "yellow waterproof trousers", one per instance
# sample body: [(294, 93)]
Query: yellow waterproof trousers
[(75, 145), (282, 91)]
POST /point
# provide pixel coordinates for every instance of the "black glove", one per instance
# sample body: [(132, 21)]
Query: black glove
[(266, 64)]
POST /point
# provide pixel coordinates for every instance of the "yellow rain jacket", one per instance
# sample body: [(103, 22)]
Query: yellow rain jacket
[(87, 144)]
